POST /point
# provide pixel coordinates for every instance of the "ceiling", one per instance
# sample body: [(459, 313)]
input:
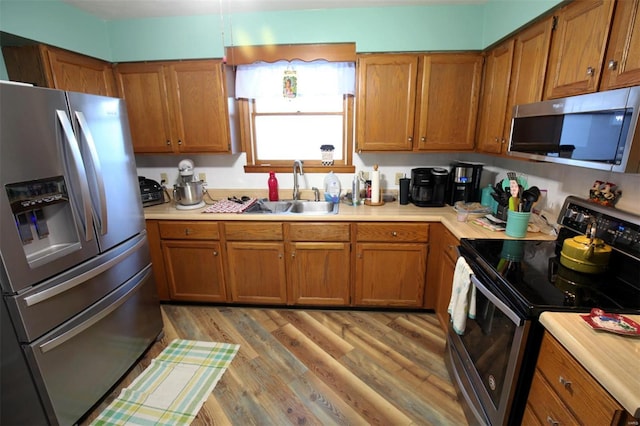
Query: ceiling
[(132, 9)]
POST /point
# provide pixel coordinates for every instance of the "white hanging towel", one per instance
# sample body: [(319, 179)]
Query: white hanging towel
[(463, 296)]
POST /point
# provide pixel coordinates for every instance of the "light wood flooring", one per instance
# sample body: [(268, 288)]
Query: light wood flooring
[(317, 367)]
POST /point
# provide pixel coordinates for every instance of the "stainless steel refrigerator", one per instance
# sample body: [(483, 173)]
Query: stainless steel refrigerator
[(79, 303)]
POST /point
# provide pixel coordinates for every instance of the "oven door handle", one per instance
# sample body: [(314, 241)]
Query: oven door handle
[(510, 313)]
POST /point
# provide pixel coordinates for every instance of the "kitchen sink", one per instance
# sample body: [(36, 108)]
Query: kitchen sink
[(293, 207)]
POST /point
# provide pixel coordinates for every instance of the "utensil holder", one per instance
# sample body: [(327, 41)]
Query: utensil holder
[(517, 223)]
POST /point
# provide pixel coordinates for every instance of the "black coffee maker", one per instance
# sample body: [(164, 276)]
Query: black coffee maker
[(464, 182), (428, 186)]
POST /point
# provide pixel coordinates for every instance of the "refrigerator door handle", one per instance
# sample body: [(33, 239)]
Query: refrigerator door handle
[(63, 338), (47, 294), (91, 145), (72, 143)]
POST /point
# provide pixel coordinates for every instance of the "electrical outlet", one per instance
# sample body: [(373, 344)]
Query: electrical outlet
[(202, 177), (163, 179), (398, 177)]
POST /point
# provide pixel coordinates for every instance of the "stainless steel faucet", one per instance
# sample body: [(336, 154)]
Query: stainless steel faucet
[(296, 191)]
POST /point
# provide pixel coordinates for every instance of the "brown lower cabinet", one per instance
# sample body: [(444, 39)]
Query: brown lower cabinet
[(442, 263), (563, 392), (391, 264), (291, 263)]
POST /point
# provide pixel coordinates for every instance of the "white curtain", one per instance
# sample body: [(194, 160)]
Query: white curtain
[(317, 78)]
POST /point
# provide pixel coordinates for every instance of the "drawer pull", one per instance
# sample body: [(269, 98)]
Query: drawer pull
[(188, 231), (564, 382), (552, 422), (394, 234)]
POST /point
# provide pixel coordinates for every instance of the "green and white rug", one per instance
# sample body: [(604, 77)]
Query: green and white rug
[(173, 388)]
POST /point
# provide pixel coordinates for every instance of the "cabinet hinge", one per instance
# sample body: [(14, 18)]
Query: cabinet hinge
[(554, 25)]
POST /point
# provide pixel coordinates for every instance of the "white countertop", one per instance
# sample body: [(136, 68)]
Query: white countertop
[(391, 211), (613, 360)]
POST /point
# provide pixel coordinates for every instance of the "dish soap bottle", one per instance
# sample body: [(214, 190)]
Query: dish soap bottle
[(332, 188), (273, 186)]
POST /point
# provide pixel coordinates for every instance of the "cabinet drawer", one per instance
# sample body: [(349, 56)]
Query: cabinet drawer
[(391, 232), (589, 402), (450, 245), (318, 231), (253, 231), (546, 405), (189, 230)]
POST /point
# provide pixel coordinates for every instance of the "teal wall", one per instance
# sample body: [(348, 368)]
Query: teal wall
[(408, 28), (502, 17)]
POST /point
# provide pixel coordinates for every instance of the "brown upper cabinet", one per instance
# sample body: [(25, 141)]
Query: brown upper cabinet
[(493, 106), (578, 48), (48, 66), (514, 74), (622, 61), (433, 96), (179, 107)]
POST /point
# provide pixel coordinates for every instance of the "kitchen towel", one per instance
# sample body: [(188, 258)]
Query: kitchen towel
[(173, 388), (228, 206), (463, 296)]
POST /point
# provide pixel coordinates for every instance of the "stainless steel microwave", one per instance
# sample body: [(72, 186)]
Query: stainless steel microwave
[(598, 130)]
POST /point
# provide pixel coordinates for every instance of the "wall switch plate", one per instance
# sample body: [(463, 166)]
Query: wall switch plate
[(163, 179), (398, 177), (202, 177)]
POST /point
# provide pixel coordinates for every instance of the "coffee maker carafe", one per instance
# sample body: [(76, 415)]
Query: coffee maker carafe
[(428, 186), (464, 182)]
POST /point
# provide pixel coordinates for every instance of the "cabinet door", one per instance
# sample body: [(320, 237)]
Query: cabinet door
[(194, 270), (530, 56), (319, 273), (578, 48), (622, 62), (448, 104), (256, 272), (143, 87), (79, 73), (390, 274), (495, 94), (385, 103), (199, 106)]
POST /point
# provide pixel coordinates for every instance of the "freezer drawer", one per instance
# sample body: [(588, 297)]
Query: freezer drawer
[(46, 306), (76, 364)]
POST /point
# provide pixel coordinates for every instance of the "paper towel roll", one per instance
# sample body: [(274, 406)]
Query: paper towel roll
[(375, 185)]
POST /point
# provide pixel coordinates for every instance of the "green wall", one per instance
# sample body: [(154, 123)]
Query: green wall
[(409, 28)]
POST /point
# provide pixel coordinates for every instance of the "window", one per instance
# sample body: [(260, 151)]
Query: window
[(290, 109)]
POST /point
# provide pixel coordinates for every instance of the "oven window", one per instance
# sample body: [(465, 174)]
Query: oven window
[(488, 340)]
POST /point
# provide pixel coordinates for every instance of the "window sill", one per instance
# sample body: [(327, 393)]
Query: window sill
[(307, 169)]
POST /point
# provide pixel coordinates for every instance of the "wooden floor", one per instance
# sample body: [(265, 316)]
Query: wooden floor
[(317, 366)]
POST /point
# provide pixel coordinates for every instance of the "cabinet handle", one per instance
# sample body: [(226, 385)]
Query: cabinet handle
[(279, 255), (168, 142), (179, 141), (423, 139), (564, 382), (215, 253), (552, 422), (503, 141), (410, 139), (187, 231), (293, 254), (590, 71), (496, 139), (613, 64)]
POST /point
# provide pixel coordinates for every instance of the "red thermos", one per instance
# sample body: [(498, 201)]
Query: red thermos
[(273, 187)]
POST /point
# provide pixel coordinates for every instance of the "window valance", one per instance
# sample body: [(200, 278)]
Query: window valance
[(317, 78)]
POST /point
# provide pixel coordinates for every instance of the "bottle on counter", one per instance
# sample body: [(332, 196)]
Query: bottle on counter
[(332, 188), (273, 186)]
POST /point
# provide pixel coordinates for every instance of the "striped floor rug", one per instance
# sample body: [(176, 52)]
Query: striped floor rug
[(173, 388)]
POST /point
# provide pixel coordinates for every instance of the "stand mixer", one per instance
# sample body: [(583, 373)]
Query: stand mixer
[(188, 192)]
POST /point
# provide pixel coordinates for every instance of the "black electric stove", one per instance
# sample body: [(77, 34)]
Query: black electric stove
[(530, 276)]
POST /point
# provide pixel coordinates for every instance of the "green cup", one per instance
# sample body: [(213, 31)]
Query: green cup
[(517, 224)]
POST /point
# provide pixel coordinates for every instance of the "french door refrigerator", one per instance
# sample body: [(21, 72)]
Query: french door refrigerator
[(79, 303)]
